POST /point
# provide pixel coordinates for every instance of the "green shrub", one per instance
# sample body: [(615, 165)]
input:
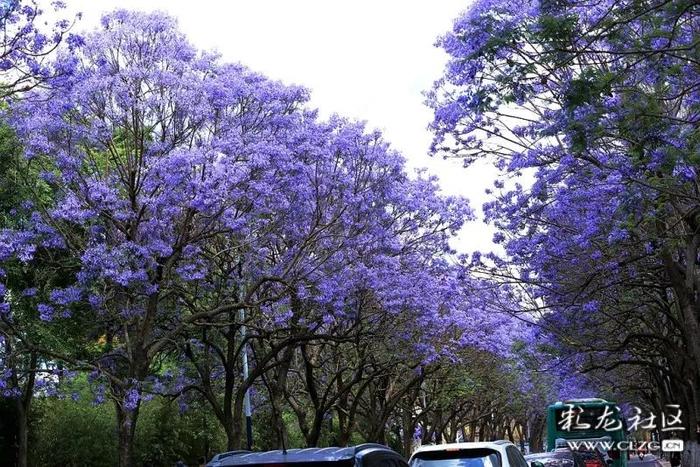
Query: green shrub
[(75, 432), (72, 433)]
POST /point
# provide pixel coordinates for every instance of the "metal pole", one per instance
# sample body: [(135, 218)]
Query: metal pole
[(246, 401)]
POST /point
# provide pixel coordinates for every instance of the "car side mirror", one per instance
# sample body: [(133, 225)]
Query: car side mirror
[(536, 464)]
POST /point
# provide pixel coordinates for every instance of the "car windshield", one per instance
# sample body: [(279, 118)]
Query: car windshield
[(460, 458)]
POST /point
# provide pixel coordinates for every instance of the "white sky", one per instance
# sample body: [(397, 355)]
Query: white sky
[(364, 59)]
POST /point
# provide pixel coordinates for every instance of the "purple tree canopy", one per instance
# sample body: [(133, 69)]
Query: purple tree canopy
[(585, 120), (186, 188), (590, 111), (26, 47)]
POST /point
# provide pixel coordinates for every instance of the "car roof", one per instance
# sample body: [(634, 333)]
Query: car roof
[(331, 454), (463, 446), (583, 402), (221, 455), (550, 454)]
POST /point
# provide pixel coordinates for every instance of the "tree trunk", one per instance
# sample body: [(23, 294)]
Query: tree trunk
[(22, 433), (509, 432), (230, 433), (126, 427), (314, 434), (279, 427), (692, 331), (409, 429), (236, 425), (22, 403), (536, 430)]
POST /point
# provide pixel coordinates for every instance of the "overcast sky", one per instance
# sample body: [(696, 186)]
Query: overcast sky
[(365, 59)]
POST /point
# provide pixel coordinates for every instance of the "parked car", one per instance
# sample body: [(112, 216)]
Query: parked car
[(364, 455), (567, 458), (482, 454), (558, 458), (216, 460)]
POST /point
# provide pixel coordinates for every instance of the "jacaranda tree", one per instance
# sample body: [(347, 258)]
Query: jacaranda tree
[(591, 112), (171, 213), (179, 191), (150, 149), (27, 44)]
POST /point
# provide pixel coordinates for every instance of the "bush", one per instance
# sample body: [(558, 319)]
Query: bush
[(164, 435), (69, 431)]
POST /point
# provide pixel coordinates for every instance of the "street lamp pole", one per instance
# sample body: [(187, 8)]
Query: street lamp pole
[(246, 401), (244, 355)]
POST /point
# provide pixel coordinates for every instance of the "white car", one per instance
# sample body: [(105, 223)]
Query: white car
[(484, 454)]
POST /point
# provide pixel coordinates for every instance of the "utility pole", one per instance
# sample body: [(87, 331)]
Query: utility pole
[(244, 356), (246, 400)]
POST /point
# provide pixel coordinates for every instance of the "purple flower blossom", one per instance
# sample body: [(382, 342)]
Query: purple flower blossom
[(131, 399), (46, 312)]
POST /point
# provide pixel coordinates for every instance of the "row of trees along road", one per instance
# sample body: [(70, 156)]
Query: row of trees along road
[(167, 213), (590, 110)]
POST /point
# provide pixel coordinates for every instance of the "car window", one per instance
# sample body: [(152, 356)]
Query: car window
[(515, 459), (458, 458), (381, 459), (393, 463), (553, 460), (384, 462)]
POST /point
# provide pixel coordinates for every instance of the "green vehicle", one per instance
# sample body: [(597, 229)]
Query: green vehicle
[(587, 420)]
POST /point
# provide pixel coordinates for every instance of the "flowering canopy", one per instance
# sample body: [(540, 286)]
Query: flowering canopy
[(168, 191), (25, 46), (179, 189), (591, 112)]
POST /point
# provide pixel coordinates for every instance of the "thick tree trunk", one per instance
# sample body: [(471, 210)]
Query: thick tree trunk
[(692, 331), (279, 427), (314, 434), (126, 427), (509, 432), (22, 433), (23, 403), (343, 436), (409, 429), (472, 432), (346, 424), (231, 434), (378, 435), (277, 388), (236, 426), (536, 431)]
